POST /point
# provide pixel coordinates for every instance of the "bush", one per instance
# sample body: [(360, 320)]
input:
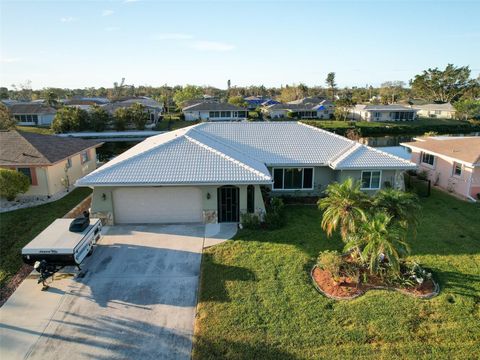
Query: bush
[(250, 221), (330, 261), (69, 119), (122, 119), (12, 183), (275, 216)]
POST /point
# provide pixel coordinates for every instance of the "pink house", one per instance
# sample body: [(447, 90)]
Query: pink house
[(452, 163)]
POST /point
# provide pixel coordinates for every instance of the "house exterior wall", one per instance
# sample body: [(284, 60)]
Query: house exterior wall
[(367, 115), (441, 174), (322, 176), (387, 175), (205, 115), (45, 119), (102, 202), (475, 183), (441, 114)]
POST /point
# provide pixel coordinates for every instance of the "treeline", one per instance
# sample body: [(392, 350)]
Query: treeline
[(72, 119)]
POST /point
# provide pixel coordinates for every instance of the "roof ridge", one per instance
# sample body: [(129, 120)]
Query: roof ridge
[(386, 153), (227, 157), (343, 155), (21, 133)]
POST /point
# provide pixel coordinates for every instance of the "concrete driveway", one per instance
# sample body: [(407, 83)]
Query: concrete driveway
[(134, 299)]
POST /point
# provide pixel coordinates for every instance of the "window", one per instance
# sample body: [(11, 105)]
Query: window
[(293, 179), (371, 180), (457, 169), (250, 199), (377, 114), (428, 159), (84, 156), (68, 165), (27, 172), (438, 112)]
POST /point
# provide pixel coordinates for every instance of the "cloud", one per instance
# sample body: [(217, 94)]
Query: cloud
[(107, 12), (212, 46), (7, 60), (172, 36), (130, 1), (112, 28), (67, 19)]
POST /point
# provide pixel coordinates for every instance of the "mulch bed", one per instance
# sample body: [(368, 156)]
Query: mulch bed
[(7, 290), (347, 289)]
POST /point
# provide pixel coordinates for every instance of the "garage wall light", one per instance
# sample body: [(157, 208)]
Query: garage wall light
[(104, 196), (209, 196)]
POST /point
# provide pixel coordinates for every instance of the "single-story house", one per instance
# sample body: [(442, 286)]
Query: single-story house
[(50, 162), (382, 113), (214, 171), (257, 101), (306, 108), (451, 162), (442, 111), (32, 113), (152, 107), (214, 111), (82, 100)]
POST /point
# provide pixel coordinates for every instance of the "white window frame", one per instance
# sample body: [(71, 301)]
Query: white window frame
[(283, 175), (455, 164), (379, 180), (87, 157), (425, 163)]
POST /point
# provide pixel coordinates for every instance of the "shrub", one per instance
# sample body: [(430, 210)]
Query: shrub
[(422, 175), (275, 216), (12, 183), (330, 261), (122, 119), (69, 119), (250, 221)]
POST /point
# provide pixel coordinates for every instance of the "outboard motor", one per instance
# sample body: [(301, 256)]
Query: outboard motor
[(80, 223)]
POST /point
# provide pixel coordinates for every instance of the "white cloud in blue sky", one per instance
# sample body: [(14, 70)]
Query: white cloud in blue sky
[(107, 12), (212, 46), (67, 19)]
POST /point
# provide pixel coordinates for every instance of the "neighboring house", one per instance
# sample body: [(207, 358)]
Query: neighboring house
[(442, 111), (214, 111), (213, 171), (257, 101), (382, 113), (306, 108), (47, 159), (32, 113), (153, 108), (452, 163), (80, 100)]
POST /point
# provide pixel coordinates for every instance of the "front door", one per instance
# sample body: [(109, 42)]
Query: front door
[(228, 204)]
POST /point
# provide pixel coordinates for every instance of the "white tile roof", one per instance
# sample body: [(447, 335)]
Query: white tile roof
[(235, 153)]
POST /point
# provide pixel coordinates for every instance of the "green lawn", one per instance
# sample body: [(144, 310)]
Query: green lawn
[(36, 129), (257, 302), (18, 227)]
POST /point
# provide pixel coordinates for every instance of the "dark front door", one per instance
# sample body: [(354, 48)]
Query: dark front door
[(228, 207)]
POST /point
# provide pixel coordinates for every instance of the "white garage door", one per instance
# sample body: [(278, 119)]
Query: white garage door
[(157, 205)]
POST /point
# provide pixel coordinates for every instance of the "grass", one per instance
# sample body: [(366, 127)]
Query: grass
[(19, 227), (36, 129), (257, 301)]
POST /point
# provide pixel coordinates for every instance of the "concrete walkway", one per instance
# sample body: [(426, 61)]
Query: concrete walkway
[(135, 298)]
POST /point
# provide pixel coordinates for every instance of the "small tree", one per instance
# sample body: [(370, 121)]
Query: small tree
[(467, 109), (122, 119), (99, 118), (139, 116), (330, 81), (7, 122), (69, 119), (12, 183), (343, 107), (238, 101)]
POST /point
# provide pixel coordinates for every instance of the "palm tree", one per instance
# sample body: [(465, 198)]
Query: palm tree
[(380, 240), (343, 207), (402, 206)]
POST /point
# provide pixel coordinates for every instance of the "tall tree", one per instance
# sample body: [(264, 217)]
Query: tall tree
[(467, 109), (443, 85), (7, 122), (188, 92), (343, 107), (330, 81), (237, 101), (390, 91)]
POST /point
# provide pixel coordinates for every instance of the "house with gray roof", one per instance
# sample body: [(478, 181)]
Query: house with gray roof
[(51, 163), (32, 113), (306, 108), (214, 111), (392, 112), (152, 107), (214, 171), (441, 111)]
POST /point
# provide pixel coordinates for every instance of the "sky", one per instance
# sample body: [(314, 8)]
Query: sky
[(77, 44)]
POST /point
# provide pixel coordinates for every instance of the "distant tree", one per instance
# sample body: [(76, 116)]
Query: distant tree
[(443, 86), (330, 81), (122, 119), (390, 91), (343, 106), (51, 98), (189, 92), (99, 118), (237, 101), (12, 183), (289, 93), (4, 93), (69, 119), (7, 122), (467, 109), (139, 116), (23, 91), (302, 90)]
